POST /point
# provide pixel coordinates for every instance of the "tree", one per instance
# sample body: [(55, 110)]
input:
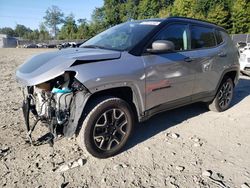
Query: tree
[(111, 12), (233, 15), (7, 31), (186, 8), (219, 15), (83, 29), (165, 12), (241, 16), (69, 28), (129, 10), (148, 9), (98, 15), (53, 17), (43, 33), (33, 35), (98, 22), (21, 30), (205, 6)]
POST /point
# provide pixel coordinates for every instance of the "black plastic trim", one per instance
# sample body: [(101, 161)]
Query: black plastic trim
[(81, 62)]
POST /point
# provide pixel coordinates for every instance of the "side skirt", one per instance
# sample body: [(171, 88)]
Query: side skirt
[(201, 97)]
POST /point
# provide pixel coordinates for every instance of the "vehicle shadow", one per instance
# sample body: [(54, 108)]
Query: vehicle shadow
[(163, 121)]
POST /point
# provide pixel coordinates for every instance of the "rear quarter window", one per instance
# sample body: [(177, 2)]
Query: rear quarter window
[(202, 37)]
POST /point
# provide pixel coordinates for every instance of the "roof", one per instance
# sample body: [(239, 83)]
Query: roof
[(186, 19), (193, 20)]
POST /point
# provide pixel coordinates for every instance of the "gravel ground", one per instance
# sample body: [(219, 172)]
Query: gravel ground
[(185, 147)]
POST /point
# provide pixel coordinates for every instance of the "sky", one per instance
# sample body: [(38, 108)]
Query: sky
[(31, 12)]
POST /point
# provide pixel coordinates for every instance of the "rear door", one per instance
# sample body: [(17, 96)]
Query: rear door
[(170, 76), (208, 58)]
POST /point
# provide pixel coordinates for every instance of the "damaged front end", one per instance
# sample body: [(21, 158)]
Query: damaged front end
[(54, 87), (57, 103)]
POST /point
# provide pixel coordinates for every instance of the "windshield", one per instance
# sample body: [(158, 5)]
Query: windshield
[(121, 37)]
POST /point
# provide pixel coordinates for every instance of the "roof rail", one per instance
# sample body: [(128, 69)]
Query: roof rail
[(188, 18)]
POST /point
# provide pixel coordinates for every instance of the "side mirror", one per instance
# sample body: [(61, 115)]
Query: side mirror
[(161, 46)]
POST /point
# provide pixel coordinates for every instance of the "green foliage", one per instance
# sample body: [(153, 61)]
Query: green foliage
[(69, 28), (148, 9), (219, 15), (27, 33), (130, 10), (53, 17), (184, 8), (241, 16), (98, 23), (7, 31), (83, 29), (187, 8), (112, 12), (43, 33), (233, 15), (21, 30), (33, 35), (98, 15)]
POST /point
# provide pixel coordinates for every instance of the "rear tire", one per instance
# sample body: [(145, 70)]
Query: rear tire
[(223, 97), (107, 127)]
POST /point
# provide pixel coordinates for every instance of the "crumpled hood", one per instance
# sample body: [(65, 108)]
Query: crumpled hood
[(46, 66)]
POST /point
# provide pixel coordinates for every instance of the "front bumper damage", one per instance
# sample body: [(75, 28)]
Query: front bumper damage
[(57, 125)]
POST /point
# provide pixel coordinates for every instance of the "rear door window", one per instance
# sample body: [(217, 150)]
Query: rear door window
[(202, 37)]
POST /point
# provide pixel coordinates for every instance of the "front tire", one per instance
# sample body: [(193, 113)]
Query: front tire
[(107, 127), (223, 97)]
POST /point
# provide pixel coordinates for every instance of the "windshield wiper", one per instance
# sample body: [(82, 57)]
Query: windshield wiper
[(99, 47), (94, 46)]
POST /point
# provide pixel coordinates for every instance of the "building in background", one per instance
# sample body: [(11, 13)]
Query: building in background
[(7, 42)]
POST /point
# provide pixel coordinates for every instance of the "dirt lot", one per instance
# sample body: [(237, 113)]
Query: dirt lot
[(186, 147)]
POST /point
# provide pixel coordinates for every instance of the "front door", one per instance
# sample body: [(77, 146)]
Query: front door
[(170, 76)]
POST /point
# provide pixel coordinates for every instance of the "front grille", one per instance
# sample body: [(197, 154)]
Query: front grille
[(248, 60)]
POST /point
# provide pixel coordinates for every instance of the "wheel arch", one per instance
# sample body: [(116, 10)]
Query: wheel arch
[(232, 73), (124, 92)]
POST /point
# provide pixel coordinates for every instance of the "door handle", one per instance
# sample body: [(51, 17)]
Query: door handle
[(222, 54), (188, 59)]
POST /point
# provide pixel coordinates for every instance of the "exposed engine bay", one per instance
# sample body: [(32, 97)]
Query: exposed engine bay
[(57, 103)]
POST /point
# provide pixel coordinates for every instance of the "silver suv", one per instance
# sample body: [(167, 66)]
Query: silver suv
[(125, 74)]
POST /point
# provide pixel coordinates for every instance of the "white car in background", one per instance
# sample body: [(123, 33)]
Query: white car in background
[(244, 60), (241, 46)]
